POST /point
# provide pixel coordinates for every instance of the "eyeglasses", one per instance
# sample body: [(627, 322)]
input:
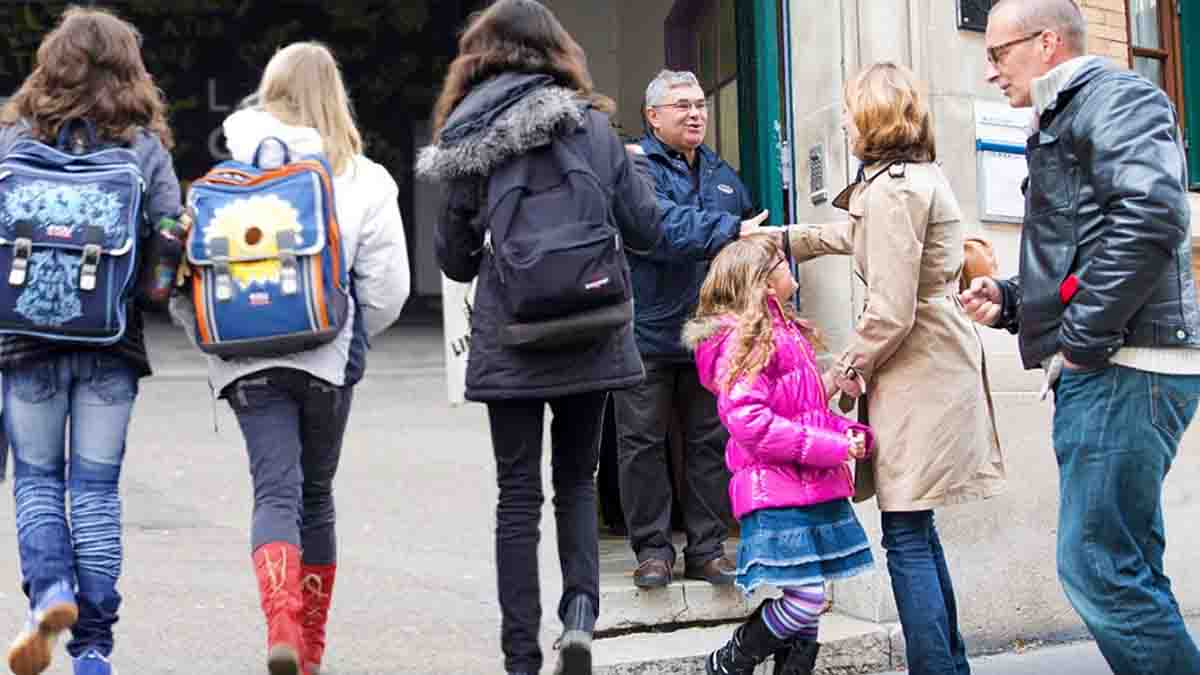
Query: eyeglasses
[(684, 106), (996, 54), (774, 267)]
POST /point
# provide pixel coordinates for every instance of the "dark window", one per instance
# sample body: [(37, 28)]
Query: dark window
[(1154, 45)]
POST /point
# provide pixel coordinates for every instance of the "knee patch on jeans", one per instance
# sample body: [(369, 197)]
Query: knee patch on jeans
[(96, 533), (39, 502)]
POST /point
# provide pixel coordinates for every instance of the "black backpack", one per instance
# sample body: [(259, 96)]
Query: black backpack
[(556, 251)]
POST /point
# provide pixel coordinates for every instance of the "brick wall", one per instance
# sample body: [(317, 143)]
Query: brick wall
[(1108, 31)]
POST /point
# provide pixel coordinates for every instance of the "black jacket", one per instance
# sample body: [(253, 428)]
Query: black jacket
[(501, 119), (1106, 209)]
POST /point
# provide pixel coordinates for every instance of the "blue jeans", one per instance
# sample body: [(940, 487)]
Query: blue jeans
[(1116, 432), (93, 392), (3, 449), (924, 594), (293, 424)]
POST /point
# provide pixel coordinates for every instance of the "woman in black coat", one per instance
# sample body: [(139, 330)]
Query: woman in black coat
[(518, 85)]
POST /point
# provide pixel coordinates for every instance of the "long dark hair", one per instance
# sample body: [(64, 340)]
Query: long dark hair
[(515, 35), (90, 67)]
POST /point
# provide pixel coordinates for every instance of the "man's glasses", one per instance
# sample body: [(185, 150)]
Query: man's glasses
[(996, 54), (684, 106)]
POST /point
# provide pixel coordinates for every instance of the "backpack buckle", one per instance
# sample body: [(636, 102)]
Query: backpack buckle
[(218, 250), (224, 281), (289, 274), (22, 250), (88, 266)]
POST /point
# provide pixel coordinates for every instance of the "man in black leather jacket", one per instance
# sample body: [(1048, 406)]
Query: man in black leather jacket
[(1104, 296)]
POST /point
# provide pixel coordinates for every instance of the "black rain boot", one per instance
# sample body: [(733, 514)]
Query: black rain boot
[(750, 645), (799, 659), (575, 645)]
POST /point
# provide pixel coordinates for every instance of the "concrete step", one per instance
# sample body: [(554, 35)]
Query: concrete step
[(849, 646), (625, 607)]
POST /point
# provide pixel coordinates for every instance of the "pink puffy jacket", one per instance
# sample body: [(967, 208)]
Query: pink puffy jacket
[(786, 448)]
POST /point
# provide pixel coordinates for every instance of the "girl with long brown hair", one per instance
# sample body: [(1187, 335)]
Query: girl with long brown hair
[(520, 87), (88, 68), (789, 455)]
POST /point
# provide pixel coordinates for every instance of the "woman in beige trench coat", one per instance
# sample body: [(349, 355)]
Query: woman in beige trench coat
[(914, 353)]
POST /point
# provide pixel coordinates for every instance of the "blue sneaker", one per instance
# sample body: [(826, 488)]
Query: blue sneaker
[(92, 662), (54, 612)]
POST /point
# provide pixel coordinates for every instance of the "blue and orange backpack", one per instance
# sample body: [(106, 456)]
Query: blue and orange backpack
[(268, 276)]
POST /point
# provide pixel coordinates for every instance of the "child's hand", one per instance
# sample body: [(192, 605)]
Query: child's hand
[(831, 388), (849, 383), (858, 444)]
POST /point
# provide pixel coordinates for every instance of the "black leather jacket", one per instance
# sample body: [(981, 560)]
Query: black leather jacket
[(1107, 204)]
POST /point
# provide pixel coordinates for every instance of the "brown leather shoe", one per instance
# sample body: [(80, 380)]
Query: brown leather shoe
[(652, 573), (718, 571)]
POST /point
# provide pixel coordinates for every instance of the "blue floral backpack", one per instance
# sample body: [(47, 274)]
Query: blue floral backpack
[(70, 224)]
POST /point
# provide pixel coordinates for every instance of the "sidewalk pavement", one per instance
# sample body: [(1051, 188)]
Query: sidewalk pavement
[(1080, 658)]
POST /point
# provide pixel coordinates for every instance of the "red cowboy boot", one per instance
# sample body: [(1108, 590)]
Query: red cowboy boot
[(277, 566), (316, 587)]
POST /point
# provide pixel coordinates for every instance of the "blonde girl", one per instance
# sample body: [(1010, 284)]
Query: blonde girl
[(788, 453)]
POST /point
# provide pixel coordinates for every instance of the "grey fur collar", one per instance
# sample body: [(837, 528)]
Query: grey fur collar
[(531, 122), (696, 331)]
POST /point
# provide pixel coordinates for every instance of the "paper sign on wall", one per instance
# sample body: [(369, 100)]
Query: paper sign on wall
[(1000, 133)]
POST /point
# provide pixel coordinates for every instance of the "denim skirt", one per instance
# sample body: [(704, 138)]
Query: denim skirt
[(801, 546)]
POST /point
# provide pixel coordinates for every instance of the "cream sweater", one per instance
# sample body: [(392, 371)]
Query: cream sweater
[(372, 240)]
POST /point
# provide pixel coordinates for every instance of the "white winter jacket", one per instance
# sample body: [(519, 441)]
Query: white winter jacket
[(372, 240)]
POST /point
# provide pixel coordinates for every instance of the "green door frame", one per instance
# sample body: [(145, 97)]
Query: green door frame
[(761, 102), (1189, 24)]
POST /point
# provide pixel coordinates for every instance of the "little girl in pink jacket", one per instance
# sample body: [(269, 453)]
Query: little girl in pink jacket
[(788, 453)]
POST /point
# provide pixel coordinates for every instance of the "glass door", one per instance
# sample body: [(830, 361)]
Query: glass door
[(733, 47)]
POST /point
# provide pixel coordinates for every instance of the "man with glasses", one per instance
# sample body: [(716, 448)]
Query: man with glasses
[(1106, 303), (704, 204)]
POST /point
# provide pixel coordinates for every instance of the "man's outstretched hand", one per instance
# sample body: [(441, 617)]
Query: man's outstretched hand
[(982, 301)]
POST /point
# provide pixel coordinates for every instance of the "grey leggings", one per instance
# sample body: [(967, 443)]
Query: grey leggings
[(293, 424)]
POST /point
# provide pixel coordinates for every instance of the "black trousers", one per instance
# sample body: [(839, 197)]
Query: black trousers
[(643, 414), (517, 428)]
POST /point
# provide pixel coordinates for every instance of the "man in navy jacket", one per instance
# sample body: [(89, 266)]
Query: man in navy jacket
[(704, 203)]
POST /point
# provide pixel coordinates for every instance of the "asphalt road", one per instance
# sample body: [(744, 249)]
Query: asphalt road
[(415, 498)]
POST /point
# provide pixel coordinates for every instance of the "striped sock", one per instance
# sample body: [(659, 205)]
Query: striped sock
[(797, 613)]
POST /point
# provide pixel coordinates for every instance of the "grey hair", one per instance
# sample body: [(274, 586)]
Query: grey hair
[(1061, 16), (666, 80)]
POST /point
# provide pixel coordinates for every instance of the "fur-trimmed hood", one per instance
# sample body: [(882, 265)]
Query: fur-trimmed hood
[(499, 119), (707, 337), (696, 331)]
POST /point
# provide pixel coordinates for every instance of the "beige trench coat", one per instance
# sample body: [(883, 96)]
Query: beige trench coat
[(921, 358)]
